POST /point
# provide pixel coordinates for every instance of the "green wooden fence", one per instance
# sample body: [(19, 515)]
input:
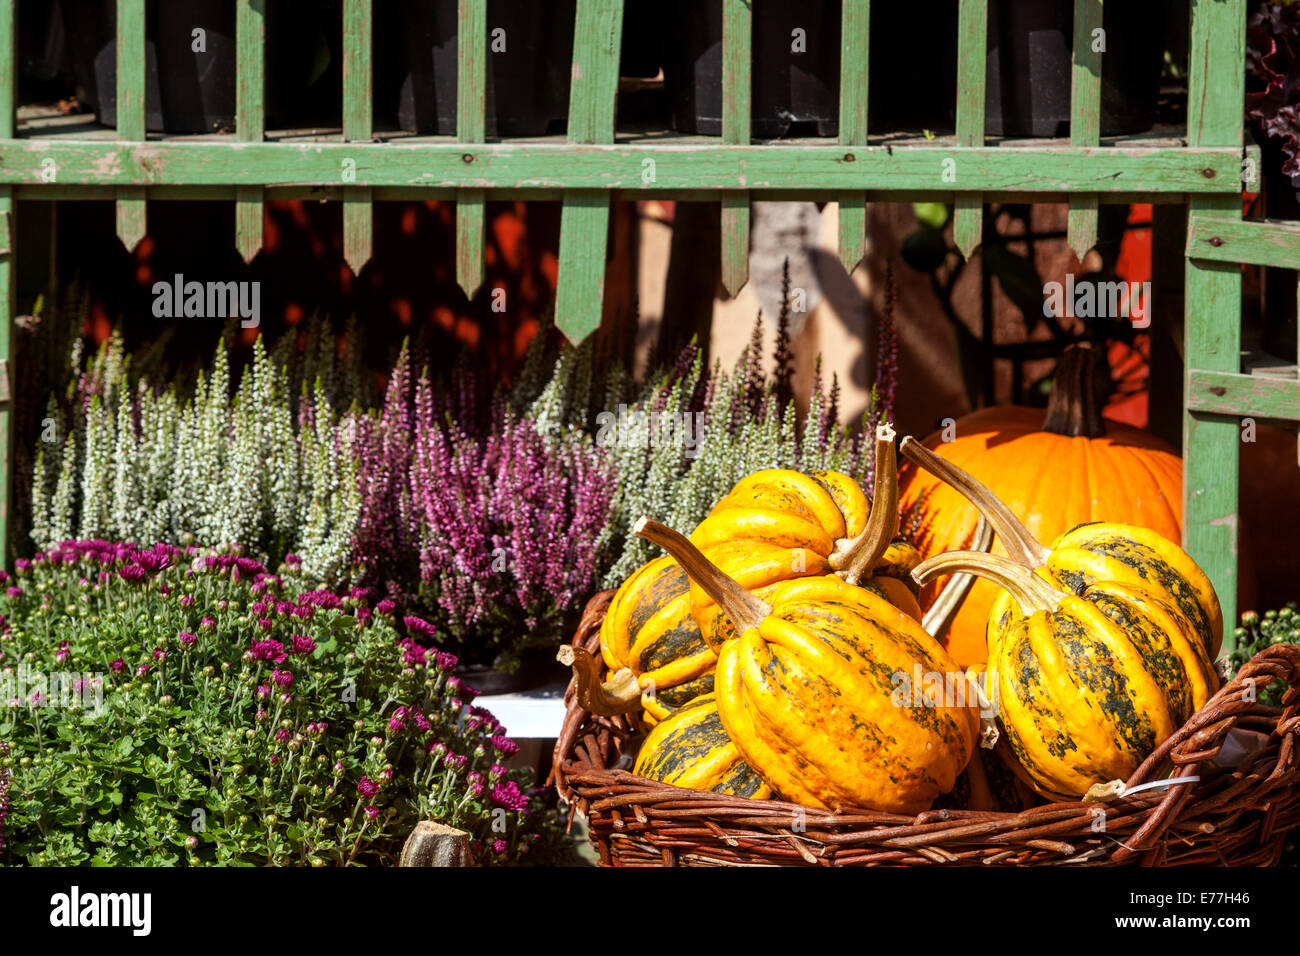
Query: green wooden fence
[(595, 163)]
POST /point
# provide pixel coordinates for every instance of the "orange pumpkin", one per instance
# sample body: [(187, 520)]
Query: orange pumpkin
[(1054, 470)]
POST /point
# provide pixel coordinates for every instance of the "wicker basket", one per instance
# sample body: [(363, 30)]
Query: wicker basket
[(1228, 817)]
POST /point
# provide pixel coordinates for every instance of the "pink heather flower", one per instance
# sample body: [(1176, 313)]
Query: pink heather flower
[(267, 649), (282, 734), (301, 644), (385, 606), (187, 638), (142, 670), (282, 678), (367, 789), (505, 746), (263, 692), (117, 665), (507, 795), (499, 847), (371, 812)]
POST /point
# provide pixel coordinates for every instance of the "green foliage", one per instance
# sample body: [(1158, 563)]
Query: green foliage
[(229, 716), (1258, 632)]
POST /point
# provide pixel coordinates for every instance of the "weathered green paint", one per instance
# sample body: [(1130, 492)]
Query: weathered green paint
[(972, 81), (855, 46), (1211, 446), (471, 127), (823, 169), (1259, 242), (358, 126), (1085, 115), (250, 118), (1238, 395), (737, 87), (584, 217), (131, 213)]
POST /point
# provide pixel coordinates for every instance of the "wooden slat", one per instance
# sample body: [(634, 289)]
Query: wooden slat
[(737, 73), (358, 126), (855, 34), (471, 127), (8, 91), (250, 119), (131, 203), (584, 217), (1211, 446), (1237, 395), (1259, 242), (695, 167), (1085, 115), (972, 57)]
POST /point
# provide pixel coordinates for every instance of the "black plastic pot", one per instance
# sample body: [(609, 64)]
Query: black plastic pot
[(1029, 66), (185, 91), (527, 82), (793, 92)]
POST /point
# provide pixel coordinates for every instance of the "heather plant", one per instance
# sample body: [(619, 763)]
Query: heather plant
[(185, 706)]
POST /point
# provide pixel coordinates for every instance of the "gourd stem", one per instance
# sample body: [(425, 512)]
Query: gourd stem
[(950, 599), (1073, 409), (859, 555), (744, 609), (1022, 546), (1031, 592), (621, 694)]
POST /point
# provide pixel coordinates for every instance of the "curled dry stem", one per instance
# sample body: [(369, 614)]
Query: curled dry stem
[(621, 694), (1023, 547), (949, 601), (744, 609), (856, 558), (1031, 592)]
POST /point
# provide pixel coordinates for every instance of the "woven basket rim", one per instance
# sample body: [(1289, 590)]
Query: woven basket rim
[(1228, 816)]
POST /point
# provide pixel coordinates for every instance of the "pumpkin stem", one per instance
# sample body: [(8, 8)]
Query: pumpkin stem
[(744, 609), (621, 694), (1023, 547), (860, 554), (1073, 408), (1030, 591), (949, 601)]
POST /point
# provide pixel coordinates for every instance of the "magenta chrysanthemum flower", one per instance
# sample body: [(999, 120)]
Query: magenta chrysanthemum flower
[(187, 638), (371, 812), (367, 789), (263, 691), (506, 794), (159, 654), (142, 670), (117, 665), (14, 591), (133, 573), (447, 661), (282, 734), (505, 746), (418, 625), (303, 644), (267, 649), (499, 847), (282, 678)]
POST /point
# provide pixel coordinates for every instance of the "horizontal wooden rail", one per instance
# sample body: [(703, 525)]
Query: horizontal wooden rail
[(1103, 170), (1237, 395), (1260, 242)]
